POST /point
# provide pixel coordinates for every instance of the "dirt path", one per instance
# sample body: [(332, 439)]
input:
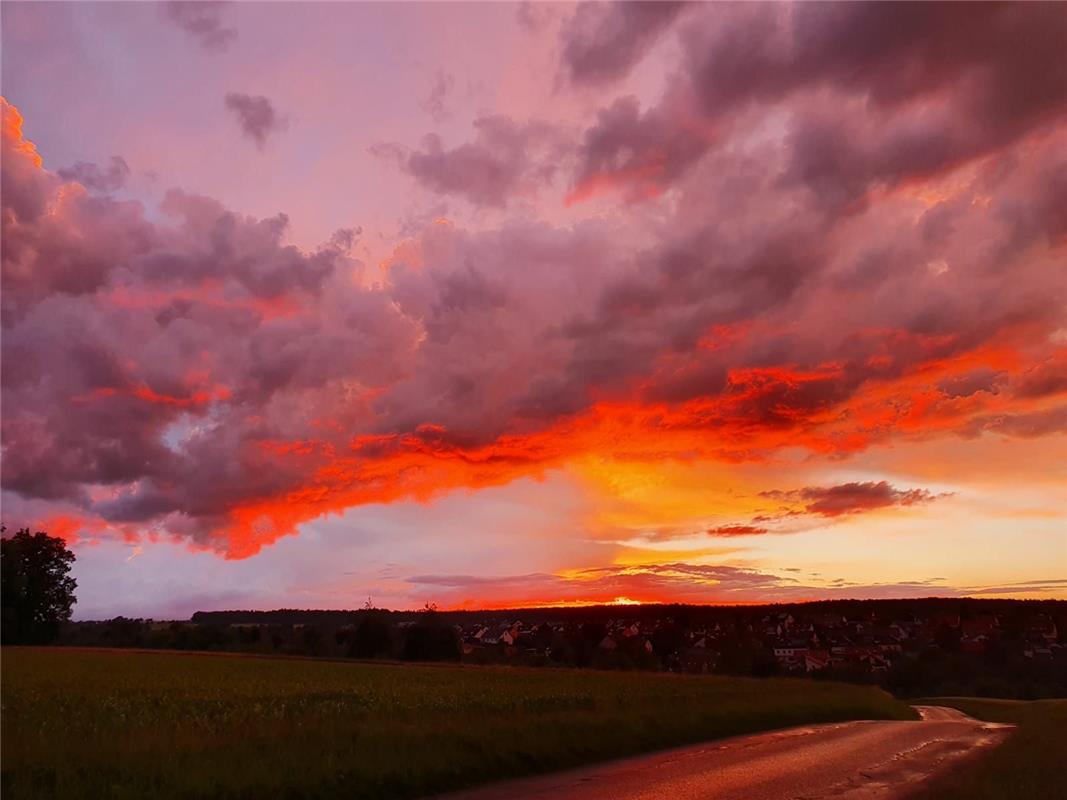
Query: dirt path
[(844, 761)]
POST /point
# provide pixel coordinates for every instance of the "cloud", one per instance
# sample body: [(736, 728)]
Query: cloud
[(185, 372), (603, 41), (737, 530), (533, 16), (256, 116), (203, 21), (1052, 587), (1026, 425), (851, 498), (505, 161), (639, 152), (668, 582), (434, 103), (871, 94), (96, 179), (677, 582), (1045, 379), (841, 500)]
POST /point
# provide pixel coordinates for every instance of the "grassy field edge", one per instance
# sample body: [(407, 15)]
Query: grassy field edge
[(117, 724)]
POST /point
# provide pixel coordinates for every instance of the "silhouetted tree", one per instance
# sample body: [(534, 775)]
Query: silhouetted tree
[(37, 591), (371, 638), (430, 638), (311, 637), (123, 632)]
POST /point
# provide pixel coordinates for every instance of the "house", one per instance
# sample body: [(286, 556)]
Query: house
[(1041, 628), (983, 626), (815, 660), (790, 654), (790, 650), (699, 660)]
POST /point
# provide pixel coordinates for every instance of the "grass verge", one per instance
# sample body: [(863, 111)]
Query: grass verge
[(168, 725), (1030, 765)]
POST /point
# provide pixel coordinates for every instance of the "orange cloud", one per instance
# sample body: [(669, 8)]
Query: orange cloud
[(761, 411), (12, 127)]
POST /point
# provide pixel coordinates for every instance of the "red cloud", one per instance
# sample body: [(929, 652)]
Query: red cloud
[(736, 530)]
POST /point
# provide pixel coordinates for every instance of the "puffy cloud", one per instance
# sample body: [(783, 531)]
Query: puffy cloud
[(851, 498), (97, 179), (603, 41), (639, 152), (203, 21), (256, 116), (505, 161), (871, 94), (892, 53), (148, 366)]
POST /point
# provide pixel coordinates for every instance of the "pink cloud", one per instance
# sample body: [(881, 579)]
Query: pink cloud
[(838, 229)]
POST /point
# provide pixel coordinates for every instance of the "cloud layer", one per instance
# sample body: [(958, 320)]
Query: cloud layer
[(841, 226)]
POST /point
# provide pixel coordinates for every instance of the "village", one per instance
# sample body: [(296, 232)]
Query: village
[(799, 642), (997, 648)]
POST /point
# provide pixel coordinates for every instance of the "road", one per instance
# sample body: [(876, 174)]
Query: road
[(869, 760)]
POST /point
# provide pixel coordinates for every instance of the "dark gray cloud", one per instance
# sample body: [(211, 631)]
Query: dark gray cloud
[(97, 179), (858, 70), (203, 21), (256, 116)]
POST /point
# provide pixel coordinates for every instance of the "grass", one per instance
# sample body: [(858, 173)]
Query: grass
[(1030, 765), (80, 724)]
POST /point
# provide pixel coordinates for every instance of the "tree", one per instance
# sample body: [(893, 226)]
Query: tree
[(372, 637), (37, 591), (430, 639)]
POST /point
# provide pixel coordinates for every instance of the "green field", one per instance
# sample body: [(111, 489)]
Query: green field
[(1030, 765), (80, 724)]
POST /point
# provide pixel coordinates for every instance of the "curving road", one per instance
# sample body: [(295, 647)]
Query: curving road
[(844, 761)]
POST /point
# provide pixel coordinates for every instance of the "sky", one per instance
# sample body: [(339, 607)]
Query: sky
[(493, 305)]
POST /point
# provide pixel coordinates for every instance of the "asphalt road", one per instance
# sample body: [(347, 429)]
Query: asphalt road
[(844, 761)]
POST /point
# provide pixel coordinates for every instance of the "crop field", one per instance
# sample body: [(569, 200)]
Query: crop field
[(80, 724), (1030, 765)]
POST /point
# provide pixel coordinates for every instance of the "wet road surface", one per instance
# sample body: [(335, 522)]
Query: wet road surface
[(865, 760)]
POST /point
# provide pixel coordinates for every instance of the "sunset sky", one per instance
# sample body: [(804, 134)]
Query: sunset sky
[(492, 304)]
